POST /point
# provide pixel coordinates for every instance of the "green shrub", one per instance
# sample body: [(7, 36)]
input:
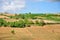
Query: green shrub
[(40, 23), (12, 24), (27, 23), (19, 23), (37, 22), (13, 32), (3, 22)]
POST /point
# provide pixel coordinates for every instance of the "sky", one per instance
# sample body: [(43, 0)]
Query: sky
[(34, 6)]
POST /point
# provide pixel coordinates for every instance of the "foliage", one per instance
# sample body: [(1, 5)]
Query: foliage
[(3, 22), (13, 32), (19, 23), (40, 23), (25, 22)]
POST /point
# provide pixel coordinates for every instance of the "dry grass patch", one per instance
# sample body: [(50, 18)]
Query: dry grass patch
[(31, 33)]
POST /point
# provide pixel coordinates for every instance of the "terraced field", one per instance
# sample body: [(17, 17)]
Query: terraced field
[(47, 32)]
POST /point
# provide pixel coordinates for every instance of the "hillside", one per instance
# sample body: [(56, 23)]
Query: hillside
[(29, 26)]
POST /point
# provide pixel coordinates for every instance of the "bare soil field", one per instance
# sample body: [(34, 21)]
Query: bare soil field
[(4, 17), (47, 32)]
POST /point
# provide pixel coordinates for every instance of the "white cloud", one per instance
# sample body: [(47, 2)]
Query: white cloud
[(12, 5)]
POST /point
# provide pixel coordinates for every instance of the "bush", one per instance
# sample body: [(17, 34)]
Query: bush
[(27, 23), (13, 32), (40, 23), (3, 22), (11, 24), (19, 23)]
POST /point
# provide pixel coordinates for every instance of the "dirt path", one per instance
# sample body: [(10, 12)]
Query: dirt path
[(51, 21)]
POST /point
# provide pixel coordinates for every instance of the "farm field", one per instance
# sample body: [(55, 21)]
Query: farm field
[(29, 26), (48, 32)]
